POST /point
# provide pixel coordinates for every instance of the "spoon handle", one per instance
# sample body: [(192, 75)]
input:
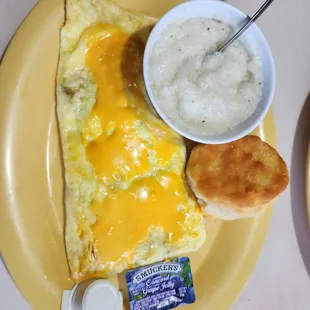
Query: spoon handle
[(247, 25)]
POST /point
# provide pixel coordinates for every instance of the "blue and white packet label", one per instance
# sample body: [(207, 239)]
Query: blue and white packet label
[(161, 286)]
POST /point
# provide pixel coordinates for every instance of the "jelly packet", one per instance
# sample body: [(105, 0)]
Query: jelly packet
[(161, 286)]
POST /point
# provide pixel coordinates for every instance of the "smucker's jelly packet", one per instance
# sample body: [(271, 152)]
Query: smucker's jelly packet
[(161, 286)]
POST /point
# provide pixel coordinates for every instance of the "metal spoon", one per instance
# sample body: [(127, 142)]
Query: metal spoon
[(248, 23)]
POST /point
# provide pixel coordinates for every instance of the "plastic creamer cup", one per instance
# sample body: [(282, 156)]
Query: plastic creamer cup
[(92, 295)]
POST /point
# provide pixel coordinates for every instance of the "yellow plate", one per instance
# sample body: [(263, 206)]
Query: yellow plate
[(31, 179)]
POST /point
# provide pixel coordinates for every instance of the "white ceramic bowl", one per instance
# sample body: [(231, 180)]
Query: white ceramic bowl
[(255, 43)]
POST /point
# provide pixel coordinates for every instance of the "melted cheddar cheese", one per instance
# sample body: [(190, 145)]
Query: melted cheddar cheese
[(129, 137), (126, 215), (120, 152)]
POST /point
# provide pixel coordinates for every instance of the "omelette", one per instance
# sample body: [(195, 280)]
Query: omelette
[(126, 200)]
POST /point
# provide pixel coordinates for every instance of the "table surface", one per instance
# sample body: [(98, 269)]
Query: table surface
[(281, 279)]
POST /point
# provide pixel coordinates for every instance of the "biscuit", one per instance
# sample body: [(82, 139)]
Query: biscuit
[(237, 179)]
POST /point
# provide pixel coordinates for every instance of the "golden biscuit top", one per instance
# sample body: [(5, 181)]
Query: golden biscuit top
[(244, 173)]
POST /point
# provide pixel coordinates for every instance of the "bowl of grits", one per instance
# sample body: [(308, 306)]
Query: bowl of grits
[(205, 95)]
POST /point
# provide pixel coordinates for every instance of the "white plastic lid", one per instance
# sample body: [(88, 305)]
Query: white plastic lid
[(101, 294), (93, 295)]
